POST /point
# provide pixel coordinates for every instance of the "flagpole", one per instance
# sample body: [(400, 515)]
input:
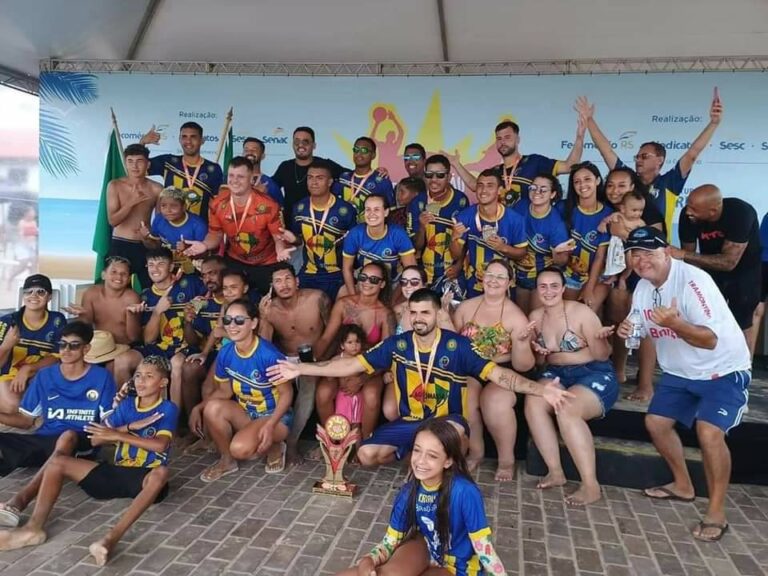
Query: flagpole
[(223, 139), (119, 139)]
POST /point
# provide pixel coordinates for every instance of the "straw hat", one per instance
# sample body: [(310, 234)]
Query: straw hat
[(103, 348)]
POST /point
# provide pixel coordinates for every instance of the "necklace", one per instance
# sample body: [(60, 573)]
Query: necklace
[(296, 173)]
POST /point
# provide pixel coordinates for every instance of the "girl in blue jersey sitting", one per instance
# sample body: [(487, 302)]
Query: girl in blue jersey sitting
[(438, 525), (141, 427)]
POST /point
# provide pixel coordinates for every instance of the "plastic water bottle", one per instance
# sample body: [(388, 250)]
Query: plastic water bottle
[(636, 335)]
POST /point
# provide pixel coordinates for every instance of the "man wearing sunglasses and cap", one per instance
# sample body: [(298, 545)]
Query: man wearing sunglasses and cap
[(705, 364), (356, 185), (62, 399), (28, 339)]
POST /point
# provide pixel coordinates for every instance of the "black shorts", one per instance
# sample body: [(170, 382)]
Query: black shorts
[(108, 481), (764, 284), (743, 296), (136, 253), (32, 450)]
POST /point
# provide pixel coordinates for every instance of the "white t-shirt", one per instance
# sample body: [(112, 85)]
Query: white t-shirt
[(700, 303)]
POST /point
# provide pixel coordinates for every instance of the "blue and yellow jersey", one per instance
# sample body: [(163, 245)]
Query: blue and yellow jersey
[(204, 185), (247, 375), (516, 182), (588, 240), (436, 256), (322, 241), (664, 190), (544, 233), (388, 248), (509, 226), (35, 341), (172, 321), (128, 412), (207, 318), (191, 228), (355, 189), (467, 519), (273, 189), (65, 404), (446, 391)]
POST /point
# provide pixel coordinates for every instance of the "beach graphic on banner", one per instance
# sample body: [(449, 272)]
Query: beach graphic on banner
[(452, 114)]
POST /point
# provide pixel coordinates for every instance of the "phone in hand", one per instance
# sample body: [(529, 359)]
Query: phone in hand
[(130, 388), (717, 94)]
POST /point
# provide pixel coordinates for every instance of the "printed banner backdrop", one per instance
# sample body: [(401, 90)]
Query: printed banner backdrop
[(452, 113)]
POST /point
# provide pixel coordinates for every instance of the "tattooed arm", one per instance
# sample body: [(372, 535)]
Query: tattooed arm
[(487, 554)]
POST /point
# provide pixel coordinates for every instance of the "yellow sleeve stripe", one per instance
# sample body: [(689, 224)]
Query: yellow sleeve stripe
[(482, 533), (217, 379), (557, 167), (487, 370), (368, 368), (395, 534), (522, 244), (164, 433), (407, 252)]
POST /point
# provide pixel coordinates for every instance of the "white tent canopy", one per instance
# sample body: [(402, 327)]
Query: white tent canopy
[(372, 31)]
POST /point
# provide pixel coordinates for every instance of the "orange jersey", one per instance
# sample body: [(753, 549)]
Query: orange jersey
[(249, 229)]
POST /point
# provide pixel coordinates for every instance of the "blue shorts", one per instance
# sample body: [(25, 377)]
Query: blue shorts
[(574, 283), (599, 377), (526, 283), (328, 283), (401, 433), (720, 402), (286, 419)]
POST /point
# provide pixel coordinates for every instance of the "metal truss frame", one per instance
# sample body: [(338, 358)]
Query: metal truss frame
[(543, 67), (18, 81)]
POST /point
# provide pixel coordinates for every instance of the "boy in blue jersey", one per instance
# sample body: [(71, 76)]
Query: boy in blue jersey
[(320, 224), (431, 216), (197, 177), (254, 149), (376, 241), (430, 368), (356, 185), (173, 226), (28, 340), (486, 231), (664, 188), (162, 312), (259, 420), (142, 428), (63, 397)]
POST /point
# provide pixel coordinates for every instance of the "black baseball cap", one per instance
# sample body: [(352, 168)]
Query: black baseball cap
[(645, 238), (38, 281)]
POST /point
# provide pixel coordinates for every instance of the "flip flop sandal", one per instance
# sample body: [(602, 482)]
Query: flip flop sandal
[(276, 466), (667, 495), (213, 473), (723, 528), (9, 516)]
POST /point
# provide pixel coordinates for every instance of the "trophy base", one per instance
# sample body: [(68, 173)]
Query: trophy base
[(345, 489)]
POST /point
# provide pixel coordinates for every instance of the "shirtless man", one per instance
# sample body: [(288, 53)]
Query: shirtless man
[(290, 317), (130, 201), (105, 306)]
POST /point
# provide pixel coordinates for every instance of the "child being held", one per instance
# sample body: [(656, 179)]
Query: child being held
[(349, 398), (620, 224), (173, 226)]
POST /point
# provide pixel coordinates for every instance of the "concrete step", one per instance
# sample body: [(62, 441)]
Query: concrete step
[(625, 463)]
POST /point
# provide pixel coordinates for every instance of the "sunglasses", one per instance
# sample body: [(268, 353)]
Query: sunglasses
[(76, 345), (438, 175), (238, 320), (410, 282), (499, 277), (119, 259), (533, 189), (374, 280), (35, 292), (644, 156), (412, 157), (361, 150)]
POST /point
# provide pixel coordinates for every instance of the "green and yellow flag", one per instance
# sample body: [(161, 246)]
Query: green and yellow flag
[(102, 235)]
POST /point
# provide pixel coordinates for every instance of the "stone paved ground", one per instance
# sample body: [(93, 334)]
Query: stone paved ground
[(252, 523)]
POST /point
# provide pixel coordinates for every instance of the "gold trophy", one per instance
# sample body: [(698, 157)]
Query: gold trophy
[(336, 441)]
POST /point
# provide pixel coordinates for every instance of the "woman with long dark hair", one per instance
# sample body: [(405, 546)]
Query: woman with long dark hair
[(438, 525), (585, 208)]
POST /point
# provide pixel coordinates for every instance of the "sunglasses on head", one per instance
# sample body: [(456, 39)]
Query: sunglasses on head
[(412, 157), (76, 345), (361, 150), (117, 259), (375, 280), (35, 292), (438, 175), (238, 320), (410, 282)]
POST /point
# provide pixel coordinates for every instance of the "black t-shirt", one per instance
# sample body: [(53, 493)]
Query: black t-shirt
[(738, 223), (652, 215), (292, 178)]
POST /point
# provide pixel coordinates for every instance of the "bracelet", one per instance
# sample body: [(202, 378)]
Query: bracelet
[(128, 428)]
